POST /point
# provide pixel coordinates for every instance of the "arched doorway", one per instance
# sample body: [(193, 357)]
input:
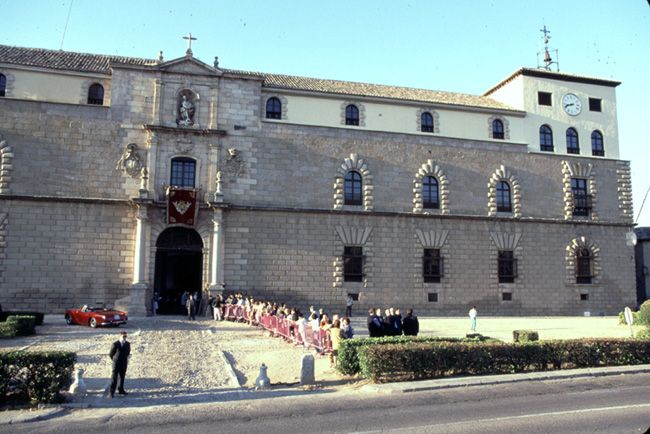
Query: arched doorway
[(179, 267)]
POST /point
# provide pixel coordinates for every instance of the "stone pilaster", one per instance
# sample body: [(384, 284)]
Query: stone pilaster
[(216, 252), (136, 304)]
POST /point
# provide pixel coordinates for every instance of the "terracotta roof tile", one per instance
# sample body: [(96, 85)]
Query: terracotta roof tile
[(381, 91), (65, 60), (98, 63)]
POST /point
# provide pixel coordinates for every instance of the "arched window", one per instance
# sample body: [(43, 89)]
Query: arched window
[(504, 202), (572, 145), (430, 196), (96, 94), (183, 172), (597, 145), (273, 108), (545, 138), (426, 122), (351, 115), (352, 188), (497, 129), (3, 84), (584, 265)]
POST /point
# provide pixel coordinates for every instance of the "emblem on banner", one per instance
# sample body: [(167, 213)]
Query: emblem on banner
[(181, 205)]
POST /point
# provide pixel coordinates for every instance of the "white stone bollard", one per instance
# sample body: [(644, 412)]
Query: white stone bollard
[(307, 370), (78, 387), (262, 381)]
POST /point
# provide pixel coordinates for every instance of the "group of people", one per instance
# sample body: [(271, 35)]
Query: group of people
[(391, 323), (338, 327), (192, 303)]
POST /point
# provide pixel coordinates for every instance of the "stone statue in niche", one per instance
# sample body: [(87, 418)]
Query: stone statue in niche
[(186, 109), (130, 162)]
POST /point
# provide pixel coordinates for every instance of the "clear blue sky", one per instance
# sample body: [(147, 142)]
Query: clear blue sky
[(460, 45)]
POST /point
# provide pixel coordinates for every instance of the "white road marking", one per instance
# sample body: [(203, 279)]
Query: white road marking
[(506, 418)]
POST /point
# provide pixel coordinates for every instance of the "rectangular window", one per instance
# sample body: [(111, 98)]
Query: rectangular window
[(353, 264), (433, 297), (183, 170), (544, 98), (432, 263), (506, 296), (507, 266), (584, 273), (595, 105), (581, 200), (354, 296), (584, 297)]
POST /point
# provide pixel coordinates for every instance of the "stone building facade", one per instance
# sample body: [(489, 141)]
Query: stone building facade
[(306, 190)]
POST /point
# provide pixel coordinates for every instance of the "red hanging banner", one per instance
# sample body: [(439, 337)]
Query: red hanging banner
[(181, 205)]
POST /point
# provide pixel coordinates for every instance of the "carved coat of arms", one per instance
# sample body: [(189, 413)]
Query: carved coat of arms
[(234, 165)]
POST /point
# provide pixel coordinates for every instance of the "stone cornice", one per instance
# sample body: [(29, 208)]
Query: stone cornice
[(177, 130)]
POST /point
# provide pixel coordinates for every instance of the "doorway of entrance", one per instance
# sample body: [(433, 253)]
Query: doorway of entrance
[(179, 268)]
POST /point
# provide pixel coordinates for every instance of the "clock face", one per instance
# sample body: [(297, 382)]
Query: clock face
[(571, 104)]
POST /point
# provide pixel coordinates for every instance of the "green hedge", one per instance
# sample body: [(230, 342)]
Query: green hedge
[(621, 318), (420, 360), (25, 324), (525, 335), (6, 313), (8, 330), (348, 354), (643, 315), (35, 377)]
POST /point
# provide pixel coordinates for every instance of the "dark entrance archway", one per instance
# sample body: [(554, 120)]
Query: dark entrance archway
[(179, 267)]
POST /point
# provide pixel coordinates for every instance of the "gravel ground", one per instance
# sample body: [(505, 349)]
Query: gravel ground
[(173, 358)]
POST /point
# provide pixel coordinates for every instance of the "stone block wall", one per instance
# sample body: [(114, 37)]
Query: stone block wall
[(63, 150), (296, 167), (59, 255), (292, 257)]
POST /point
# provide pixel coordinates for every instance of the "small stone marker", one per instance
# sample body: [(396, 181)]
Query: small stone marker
[(307, 370), (262, 381), (78, 387)]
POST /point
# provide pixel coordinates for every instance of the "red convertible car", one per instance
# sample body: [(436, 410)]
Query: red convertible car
[(95, 316)]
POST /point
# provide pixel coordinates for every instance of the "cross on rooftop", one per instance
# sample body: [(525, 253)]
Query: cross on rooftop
[(189, 39), (546, 34)]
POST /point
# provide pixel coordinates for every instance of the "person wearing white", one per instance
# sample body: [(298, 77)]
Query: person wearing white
[(472, 318)]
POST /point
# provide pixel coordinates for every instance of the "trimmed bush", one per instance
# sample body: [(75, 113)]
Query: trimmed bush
[(621, 318), (39, 315), (35, 377), (525, 335), (8, 330), (25, 324), (348, 354), (477, 337), (420, 360), (644, 333), (643, 315)]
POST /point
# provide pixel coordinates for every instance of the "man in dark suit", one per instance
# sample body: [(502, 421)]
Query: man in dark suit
[(410, 324), (119, 354)]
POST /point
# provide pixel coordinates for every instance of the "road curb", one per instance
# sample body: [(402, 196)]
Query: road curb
[(449, 383), (35, 416), (230, 370)]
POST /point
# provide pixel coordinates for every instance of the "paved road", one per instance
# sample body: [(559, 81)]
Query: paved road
[(618, 404)]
